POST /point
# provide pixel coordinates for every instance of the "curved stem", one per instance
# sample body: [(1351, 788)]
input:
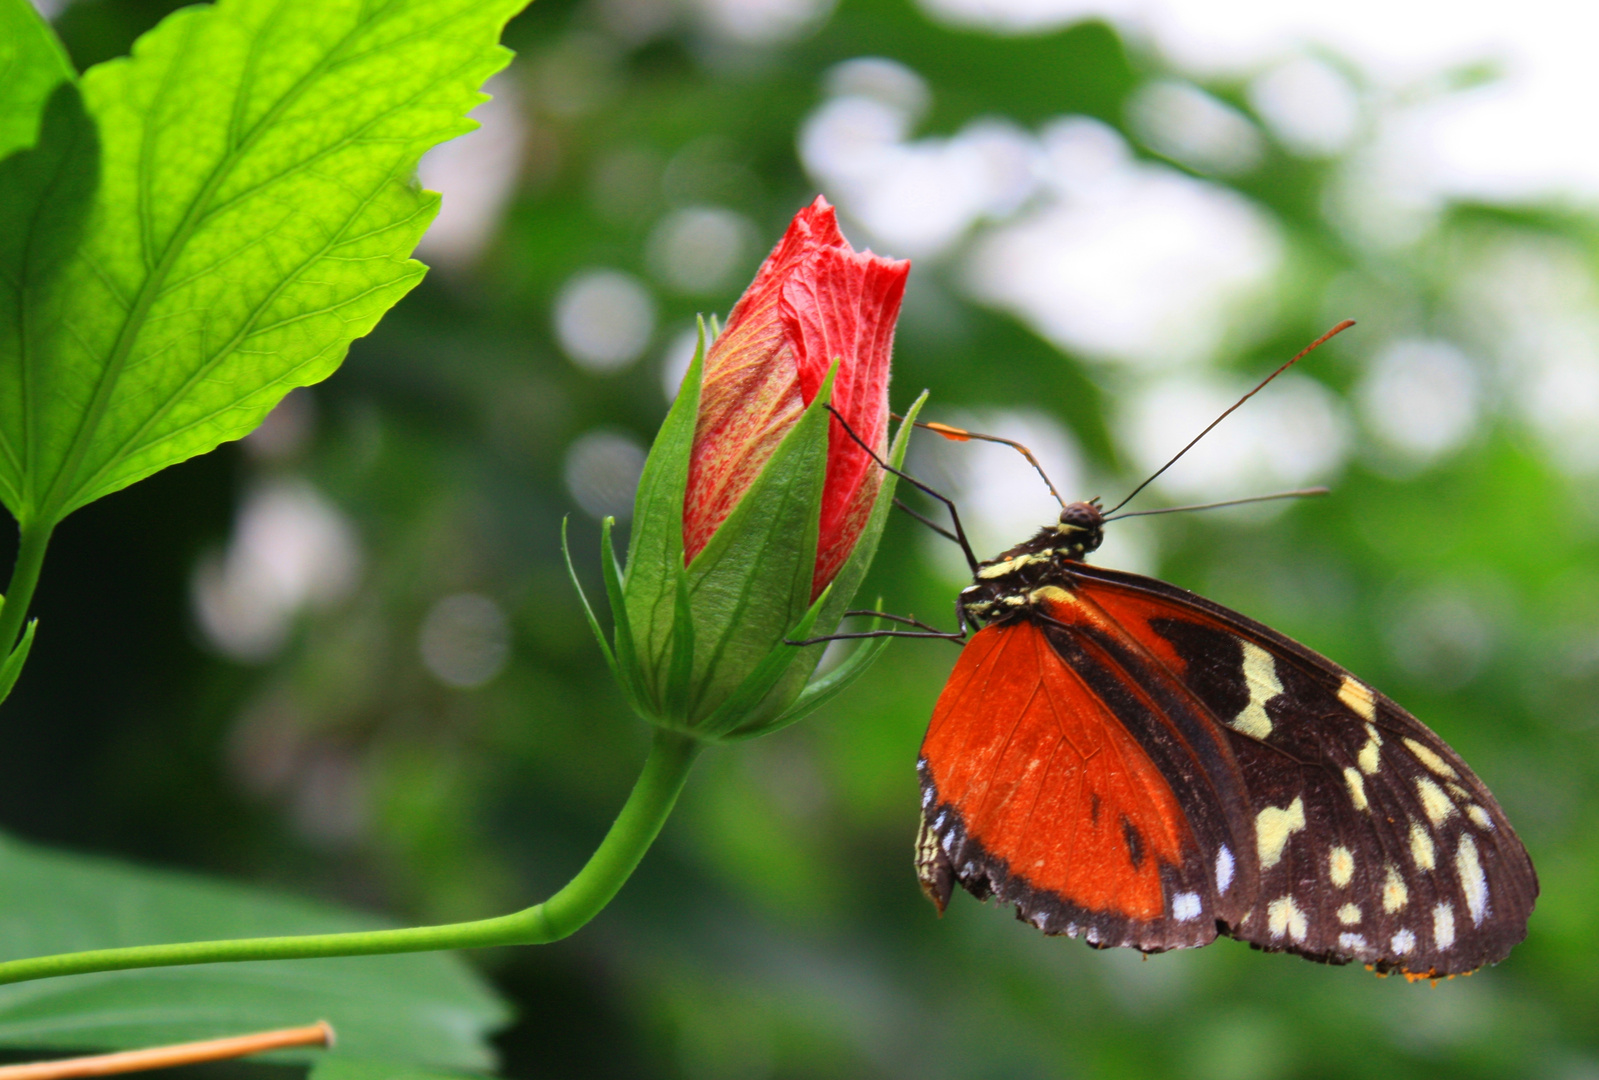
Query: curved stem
[(33, 539), (654, 794)]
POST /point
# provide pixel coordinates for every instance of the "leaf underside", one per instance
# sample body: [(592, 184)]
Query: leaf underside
[(256, 213)]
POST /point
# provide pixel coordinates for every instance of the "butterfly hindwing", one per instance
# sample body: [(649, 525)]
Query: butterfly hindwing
[(1374, 841)]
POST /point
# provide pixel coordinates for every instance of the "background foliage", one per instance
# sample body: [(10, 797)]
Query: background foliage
[(345, 751)]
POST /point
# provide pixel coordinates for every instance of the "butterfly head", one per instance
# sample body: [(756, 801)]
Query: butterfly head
[(1081, 528)]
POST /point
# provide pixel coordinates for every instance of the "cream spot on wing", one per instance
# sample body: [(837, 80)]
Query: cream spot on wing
[(1273, 827), (1053, 593), (1357, 788), (1340, 866), (1351, 941), (1394, 894), (1368, 759), (1433, 800), (1359, 698), (1437, 764), (1185, 906), (1460, 793), (1421, 849), (1472, 880), (1443, 925), (1224, 869), (1403, 942), (1260, 675), (1480, 817), (1284, 917), (1349, 914)]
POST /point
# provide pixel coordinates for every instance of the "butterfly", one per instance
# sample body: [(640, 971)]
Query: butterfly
[(1129, 763), (1126, 762)]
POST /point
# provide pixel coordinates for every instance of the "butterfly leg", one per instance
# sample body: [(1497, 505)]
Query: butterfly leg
[(958, 536), (923, 630)]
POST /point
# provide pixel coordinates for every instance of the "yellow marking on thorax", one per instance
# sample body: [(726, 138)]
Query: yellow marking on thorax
[(1358, 697), (1431, 760), (1273, 827), (1340, 866), (1052, 593), (1260, 675), (999, 569), (1394, 894)]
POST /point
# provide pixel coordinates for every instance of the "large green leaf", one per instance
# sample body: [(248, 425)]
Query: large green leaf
[(256, 211), (32, 64), (424, 1008)]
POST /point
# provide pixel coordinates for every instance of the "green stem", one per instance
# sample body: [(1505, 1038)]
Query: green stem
[(32, 541), (580, 900)]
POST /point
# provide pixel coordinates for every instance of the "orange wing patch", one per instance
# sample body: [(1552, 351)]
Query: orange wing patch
[(1043, 774)]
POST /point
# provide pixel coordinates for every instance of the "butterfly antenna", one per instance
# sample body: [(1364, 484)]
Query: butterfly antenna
[(1300, 493), (1300, 355), (955, 434)]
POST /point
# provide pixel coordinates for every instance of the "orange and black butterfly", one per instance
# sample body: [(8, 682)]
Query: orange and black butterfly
[(1129, 763)]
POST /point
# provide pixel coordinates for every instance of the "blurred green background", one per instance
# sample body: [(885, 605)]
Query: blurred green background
[(343, 657)]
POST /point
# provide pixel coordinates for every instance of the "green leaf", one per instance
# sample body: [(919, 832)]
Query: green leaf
[(633, 685), (339, 1067), (32, 64), (48, 193), (655, 549), (255, 214), (752, 582), (425, 1008), (680, 673)]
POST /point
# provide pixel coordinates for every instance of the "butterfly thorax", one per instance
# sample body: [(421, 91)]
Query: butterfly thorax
[(1002, 586)]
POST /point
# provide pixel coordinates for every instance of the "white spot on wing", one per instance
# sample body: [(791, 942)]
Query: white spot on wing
[(1443, 925), (1340, 866), (1040, 919), (1357, 788), (1472, 880), (938, 822), (1368, 759), (927, 797), (1394, 894), (1403, 942), (1224, 869), (1273, 827), (1433, 800), (1359, 698), (1260, 676), (1284, 917), (1185, 906), (1349, 914), (1351, 941), (1421, 849), (1425, 755)]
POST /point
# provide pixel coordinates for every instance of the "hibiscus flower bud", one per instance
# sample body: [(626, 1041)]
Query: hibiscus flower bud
[(757, 514)]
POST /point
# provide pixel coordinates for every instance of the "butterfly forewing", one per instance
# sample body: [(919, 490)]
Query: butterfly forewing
[(1374, 842), (1068, 772)]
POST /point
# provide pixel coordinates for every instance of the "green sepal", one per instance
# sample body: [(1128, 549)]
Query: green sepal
[(588, 610), (680, 675), (733, 711), (12, 668), (820, 691), (634, 687), (655, 549), (752, 581), (844, 585)]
